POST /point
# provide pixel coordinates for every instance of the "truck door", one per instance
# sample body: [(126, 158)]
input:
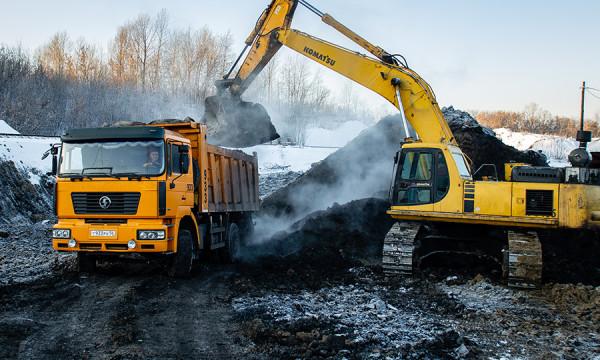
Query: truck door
[(179, 178), (421, 178)]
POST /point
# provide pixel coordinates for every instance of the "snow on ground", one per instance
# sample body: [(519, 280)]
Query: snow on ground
[(26, 152), (556, 148), (336, 137), (320, 143), (6, 129), (277, 158)]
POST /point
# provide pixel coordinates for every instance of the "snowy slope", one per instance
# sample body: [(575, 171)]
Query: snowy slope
[(27, 151), (6, 129), (320, 143), (556, 148), (275, 158), (336, 137)]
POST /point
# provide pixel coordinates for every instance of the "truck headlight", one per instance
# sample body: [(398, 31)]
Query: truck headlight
[(151, 234), (61, 233)]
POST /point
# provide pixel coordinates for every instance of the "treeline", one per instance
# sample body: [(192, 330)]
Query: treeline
[(148, 71), (145, 54), (536, 120)]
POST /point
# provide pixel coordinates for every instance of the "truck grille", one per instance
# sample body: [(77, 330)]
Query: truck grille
[(106, 203), (539, 202)]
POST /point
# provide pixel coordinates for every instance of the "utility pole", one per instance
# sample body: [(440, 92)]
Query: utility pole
[(582, 103), (584, 137)]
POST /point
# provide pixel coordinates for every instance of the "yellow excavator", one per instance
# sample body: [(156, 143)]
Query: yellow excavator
[(433, 182)]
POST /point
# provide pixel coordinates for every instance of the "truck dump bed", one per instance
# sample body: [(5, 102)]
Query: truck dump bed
[(228, 179)]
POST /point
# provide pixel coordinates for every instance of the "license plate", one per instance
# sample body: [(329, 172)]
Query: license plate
[(103, 233)]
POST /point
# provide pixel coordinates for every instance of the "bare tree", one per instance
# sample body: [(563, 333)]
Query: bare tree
[(146, 39), (54, 56), (122, 59), (87, 65)]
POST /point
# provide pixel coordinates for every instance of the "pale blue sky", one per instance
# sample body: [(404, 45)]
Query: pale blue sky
[(486, 55)]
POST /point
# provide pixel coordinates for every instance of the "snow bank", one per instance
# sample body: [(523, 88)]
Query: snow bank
[(27, 152), (276, 158), (337, 137), (6, 129), (556, 148), (320, 143)]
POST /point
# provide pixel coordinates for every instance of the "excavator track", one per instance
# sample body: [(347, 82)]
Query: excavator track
[(399, 247), (523, 259)]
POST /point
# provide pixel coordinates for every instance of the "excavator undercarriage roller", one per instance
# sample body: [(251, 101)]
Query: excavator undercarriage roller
[(522, 265), (399, 248), (523, 259)]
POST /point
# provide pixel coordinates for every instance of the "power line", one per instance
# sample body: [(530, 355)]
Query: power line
[(594, 95)]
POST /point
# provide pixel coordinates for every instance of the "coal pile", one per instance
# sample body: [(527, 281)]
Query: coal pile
[(27, 255), (481, 145), (338, 236), (363, 168), (236, 123), (22, 202)]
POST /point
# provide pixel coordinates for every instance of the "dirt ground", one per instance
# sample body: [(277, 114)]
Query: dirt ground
[(285, 309), (122, 312)]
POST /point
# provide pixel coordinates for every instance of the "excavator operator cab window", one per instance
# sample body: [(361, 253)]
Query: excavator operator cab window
[(422, 177)]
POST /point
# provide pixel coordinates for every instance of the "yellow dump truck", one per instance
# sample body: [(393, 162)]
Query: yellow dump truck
[(154, 189)]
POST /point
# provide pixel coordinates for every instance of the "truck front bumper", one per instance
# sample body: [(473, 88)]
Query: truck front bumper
[(110, 238)]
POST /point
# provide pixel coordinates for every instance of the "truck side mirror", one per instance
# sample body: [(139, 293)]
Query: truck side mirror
[(54, 166), (54, 152)]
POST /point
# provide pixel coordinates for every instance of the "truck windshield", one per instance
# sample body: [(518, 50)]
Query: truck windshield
[(123, 158)]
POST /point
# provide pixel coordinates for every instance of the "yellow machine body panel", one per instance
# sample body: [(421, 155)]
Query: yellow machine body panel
[(492, 198), (573, 206)]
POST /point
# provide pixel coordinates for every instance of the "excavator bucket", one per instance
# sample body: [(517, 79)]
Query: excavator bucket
[(232, 122)]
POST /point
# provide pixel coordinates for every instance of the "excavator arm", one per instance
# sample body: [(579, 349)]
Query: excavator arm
[(402, 87), (263, 45), (385, 75)]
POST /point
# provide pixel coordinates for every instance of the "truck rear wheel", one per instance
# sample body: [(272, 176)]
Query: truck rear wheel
[(86, 262), (231, 251), (181, 264)]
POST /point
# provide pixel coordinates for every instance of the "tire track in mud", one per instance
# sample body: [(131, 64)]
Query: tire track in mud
[(121, 315), (197, 315)]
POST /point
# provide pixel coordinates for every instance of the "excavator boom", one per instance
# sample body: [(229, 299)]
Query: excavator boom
[(417, 103), (398, 84)]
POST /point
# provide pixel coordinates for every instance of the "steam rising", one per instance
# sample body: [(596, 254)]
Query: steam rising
[(361, 169)]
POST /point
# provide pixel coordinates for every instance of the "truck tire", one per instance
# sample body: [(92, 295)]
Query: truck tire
[(181, 264), (247, 231), (86, 262), (231, 251)]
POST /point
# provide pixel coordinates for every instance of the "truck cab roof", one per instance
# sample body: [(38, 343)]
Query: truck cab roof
[(114, 133)]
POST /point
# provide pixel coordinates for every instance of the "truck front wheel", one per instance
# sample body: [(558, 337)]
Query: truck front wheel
[(181, 264), (86, 262)]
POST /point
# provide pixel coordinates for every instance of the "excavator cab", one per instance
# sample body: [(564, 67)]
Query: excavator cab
[(421, 177), (423, 173)]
